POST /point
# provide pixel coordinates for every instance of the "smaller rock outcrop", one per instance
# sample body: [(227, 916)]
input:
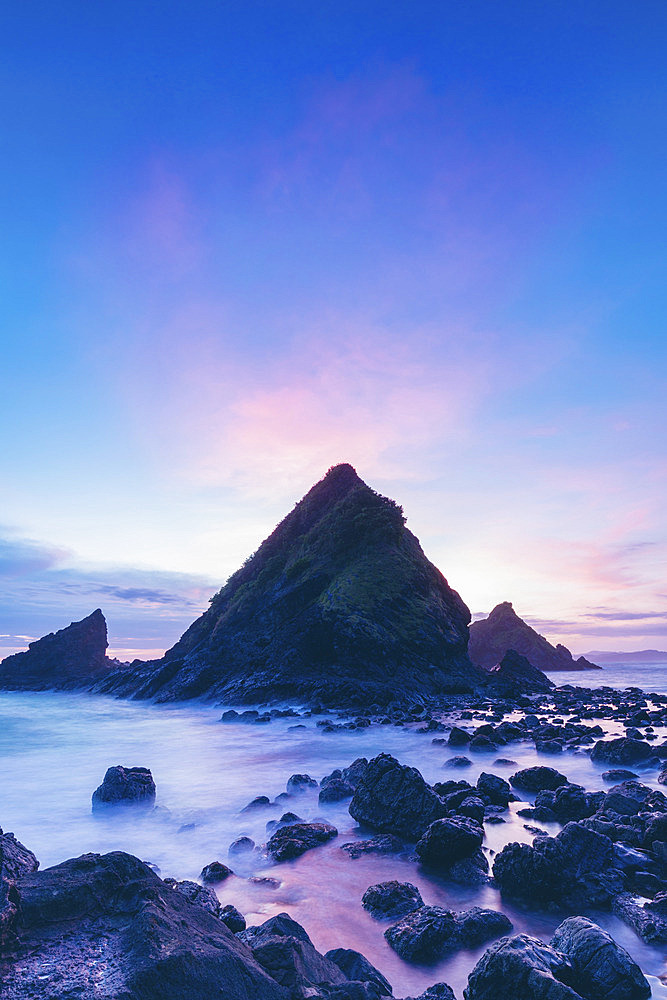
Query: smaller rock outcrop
[(515, 675), (389, 900), (125, 786), (491, 638), (291, 841), (70, 658)]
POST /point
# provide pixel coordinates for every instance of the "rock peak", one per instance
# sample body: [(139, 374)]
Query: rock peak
[(72, 657)]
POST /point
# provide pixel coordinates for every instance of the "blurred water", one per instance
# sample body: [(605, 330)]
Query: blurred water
[(55, 748), (647, 676)]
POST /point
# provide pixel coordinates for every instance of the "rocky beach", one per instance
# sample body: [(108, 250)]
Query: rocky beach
[(386, 808)]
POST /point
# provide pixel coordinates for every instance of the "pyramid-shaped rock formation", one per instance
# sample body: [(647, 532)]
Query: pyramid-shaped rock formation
[(73, 657), (503, 630), (339, 605)]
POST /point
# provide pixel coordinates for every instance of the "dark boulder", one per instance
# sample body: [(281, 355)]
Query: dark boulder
[(520, 968), (493, 789), (125, 786), (600, 968), (259, 802), (622, 750), (300, 783), (478, 925), (394, 798), (439, 991), (424, 935), (458, 762), (458, 737), (535, 779), (156, 944), (388, 900), (449, 840), (515, 674), (242, 845), (282, 947), (215, 872), (232, 918), (618, 774), (292, 841), (357, 968), (336, 790), (15, 860)]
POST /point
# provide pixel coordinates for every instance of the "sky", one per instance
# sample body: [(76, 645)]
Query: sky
[(245, 241)]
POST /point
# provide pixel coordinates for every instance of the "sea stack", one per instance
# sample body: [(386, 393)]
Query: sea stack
[(338, 606), (70, 658), (491, 638)]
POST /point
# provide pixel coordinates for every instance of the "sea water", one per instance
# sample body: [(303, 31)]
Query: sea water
[(55, 749)]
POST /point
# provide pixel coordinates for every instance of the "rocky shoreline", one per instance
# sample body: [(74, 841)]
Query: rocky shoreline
[(107, 926)]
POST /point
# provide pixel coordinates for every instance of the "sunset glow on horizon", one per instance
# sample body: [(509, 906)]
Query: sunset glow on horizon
[(246, 242)]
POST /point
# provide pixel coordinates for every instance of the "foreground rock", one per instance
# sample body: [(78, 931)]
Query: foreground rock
[(339, 605), (70, 658), (394, 798), (125, 786), (582, 962), (515, 675), (15, 861), (291, 841), (156, 943)]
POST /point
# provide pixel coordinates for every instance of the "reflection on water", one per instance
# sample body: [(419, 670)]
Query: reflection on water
[(55, 748)]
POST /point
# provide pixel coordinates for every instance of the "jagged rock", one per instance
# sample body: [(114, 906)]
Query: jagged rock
[(515, 674), (458, 737), (447, 841), (125, 786), (15, 860), (394, 798), (338, 606), (155, 942), (601, 969), (336, 790), (282, 947), (292, 841), (491, 638), (357, 968), (198, 894), (439, 991), (70, 658), (520, 967), (391, 899), (567, 802)]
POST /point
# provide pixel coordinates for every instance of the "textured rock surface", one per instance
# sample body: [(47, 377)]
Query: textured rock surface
[(601, 969), (292, 841), (70, 658), (394, 798), (339, 604), (356, 967), (125, 786), (155, 943), (391, 899), (520, 968), (515, 674), (449, 840), (491, 638)]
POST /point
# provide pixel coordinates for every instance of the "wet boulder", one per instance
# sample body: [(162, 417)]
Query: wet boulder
[(232, 918), (335, 790), (357, 968), (394, 798), (15, 860), (300, 783), (600, 968), (439, 991), (568, 802), (478, 925), (424, 935), (215, 872), (473, 807), (447, 841), (535, 779), (283, 948), (622, 750), (242, 845), (493, 789), (458, 737), (520, 967), (294, 840), (125, 786), (391, 899)]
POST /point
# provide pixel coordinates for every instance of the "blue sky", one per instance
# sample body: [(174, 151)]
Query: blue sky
[(243, 242)]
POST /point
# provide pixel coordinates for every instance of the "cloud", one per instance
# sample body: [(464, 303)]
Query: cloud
[(143, 595), (23, 557)]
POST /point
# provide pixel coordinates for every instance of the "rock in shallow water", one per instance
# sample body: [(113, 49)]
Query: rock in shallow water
[(292, 841), (391, 899), (601, 969), (431, 932), (449, 840), (125, 786), (394, 798)]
